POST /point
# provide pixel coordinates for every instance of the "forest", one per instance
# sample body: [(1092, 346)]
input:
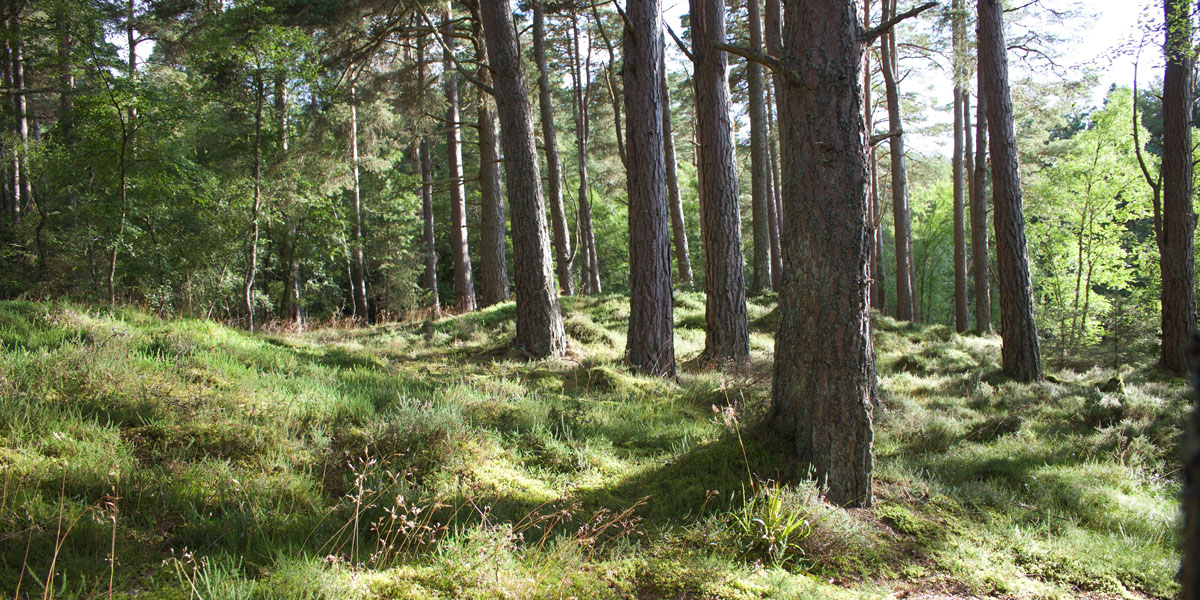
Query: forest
[(716, 299)]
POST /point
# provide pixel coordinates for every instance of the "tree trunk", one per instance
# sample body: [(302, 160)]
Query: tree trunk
[(875, 262), (726, 336), (424, 168), (493, 272), (823, 391), (464, 285), (901, 214), (1020, 355), (562, 234), (775, 211), (358, 265), (291, 289), (759, 176), (22, 108), (14, 182), (960, 109), (1189, 572), (683, 258), (979, 220), (650, 345), (1176, 259), (539, 321), (579, 74), (256, 204)]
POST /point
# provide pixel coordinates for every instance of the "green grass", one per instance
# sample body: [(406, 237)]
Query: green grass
[(426, 461)]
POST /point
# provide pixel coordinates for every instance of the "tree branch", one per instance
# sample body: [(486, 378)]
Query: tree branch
[(761, 58), (880, 137), (678, 42), (871, 34)]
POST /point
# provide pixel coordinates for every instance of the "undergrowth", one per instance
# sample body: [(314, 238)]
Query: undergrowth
[(184, 459)]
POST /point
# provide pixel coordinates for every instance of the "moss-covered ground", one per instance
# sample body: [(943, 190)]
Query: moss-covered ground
[(184, 459)]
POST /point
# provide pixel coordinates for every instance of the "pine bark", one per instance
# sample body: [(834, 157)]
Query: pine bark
[(1020, 353), (493, 271), (979, 220), (901, 215), (683, 257), (759, 176), (539, 321), (562, 233), (1176, 258), (650, 345), (960, 227), (726, 335), (823, 391), (464, 284)]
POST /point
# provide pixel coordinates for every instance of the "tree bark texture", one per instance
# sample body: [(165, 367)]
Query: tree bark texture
[(493, 272), (726, 335), (1176, 259), (539, 321), (683, 256), (960, 219), (824, 360), (759, 176), (464, 284), (901, 215), (558, 216), (1020, 354), (650, 344), (979, 221)]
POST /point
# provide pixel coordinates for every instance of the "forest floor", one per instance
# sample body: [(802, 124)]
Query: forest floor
[(422, 460)]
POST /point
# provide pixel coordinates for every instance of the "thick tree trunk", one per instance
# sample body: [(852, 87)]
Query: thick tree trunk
[(726, 336), (358, 265), (759, 176), (823, 391), (1176, 259), (979, 220), (901, 215), (683, 257), (1020, 355), (493, 272), (960, 227), (558, 216), (1189, 572), (650, 346), (464, 285), (539, 322)]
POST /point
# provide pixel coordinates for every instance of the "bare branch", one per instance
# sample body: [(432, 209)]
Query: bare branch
[(871, 34)]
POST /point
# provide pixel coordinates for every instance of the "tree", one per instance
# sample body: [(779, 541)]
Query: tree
[(981, 275), (580, 70), (562, 234), (650, 344), (539, 322), (683, 257), (493, 272), (823, 393), (358, 267), (960, 123), (726, 334), (759, 176), (1020, 353), (464, 285), (424, 169), (901, 214), (1178, 218)]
